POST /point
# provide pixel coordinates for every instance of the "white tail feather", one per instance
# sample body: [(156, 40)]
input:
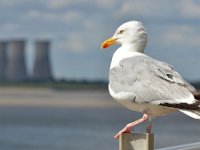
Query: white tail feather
[(192, 113)]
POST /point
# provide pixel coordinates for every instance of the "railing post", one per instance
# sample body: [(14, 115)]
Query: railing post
[(136, 141)]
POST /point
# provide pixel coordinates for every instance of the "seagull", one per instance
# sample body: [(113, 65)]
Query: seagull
[(144, 84)]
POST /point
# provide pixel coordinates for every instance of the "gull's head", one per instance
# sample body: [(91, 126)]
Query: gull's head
[(131, 33)]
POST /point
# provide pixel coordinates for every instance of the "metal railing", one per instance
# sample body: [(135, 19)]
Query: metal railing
[(191, 146)]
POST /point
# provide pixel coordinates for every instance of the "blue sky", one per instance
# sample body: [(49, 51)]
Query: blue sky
[(77, 28)]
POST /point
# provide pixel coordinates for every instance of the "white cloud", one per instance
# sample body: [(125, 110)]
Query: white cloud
[(176, 34), (181, 35), (72, 16), (75, 42), (89, 24), (56, 4), (9, 2), (190, 8), (106, 4), (36, 14), (143, 8), (68, 17), (10, 26)]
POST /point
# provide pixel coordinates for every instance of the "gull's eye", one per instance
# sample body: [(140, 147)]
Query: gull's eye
[(121, 31)]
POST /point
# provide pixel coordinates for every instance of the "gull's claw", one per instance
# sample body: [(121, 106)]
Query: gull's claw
[(128, 127)]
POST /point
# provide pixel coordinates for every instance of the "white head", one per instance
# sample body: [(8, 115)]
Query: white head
[(131, 33)]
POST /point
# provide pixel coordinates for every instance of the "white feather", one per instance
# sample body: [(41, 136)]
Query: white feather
[(193, 114)]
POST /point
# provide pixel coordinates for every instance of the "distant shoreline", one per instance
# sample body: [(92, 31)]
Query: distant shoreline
[(59, 85), (48, 97), (66, 84)]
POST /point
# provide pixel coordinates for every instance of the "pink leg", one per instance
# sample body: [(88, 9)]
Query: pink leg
[(149, 127), (128, 127)]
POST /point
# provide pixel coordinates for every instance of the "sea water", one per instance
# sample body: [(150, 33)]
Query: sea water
[(64, 128)]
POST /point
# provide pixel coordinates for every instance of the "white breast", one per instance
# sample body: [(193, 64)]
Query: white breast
[(121, 53)]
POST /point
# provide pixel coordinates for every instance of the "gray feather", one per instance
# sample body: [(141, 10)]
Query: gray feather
[(151, 81)]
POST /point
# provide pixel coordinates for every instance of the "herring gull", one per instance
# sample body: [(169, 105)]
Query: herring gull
[(144, 84)]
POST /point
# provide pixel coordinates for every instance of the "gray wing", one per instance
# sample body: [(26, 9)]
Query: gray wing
[(150, 81)]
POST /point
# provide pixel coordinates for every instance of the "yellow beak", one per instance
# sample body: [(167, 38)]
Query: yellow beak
[(108, 42)]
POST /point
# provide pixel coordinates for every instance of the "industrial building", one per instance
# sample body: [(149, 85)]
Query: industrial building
[(3, 49), (13, 66), (42, 67), (16, 65)]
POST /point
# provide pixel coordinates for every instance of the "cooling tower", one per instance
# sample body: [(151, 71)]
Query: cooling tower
[(16, 67), (42, 67), (3, 47)]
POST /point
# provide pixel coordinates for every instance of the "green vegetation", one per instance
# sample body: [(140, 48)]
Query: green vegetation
[(61, 84), (67, 84)]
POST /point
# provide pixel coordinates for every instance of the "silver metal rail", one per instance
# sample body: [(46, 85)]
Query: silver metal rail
[(191, 146)]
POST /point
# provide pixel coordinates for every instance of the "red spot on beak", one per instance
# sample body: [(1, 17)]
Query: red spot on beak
[(108, 42)]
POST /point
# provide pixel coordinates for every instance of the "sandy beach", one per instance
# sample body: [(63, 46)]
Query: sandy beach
[(44, 97)]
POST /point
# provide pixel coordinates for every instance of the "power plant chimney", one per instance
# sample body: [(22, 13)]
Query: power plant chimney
[(16, 66), (42, 67), (3, 50)]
